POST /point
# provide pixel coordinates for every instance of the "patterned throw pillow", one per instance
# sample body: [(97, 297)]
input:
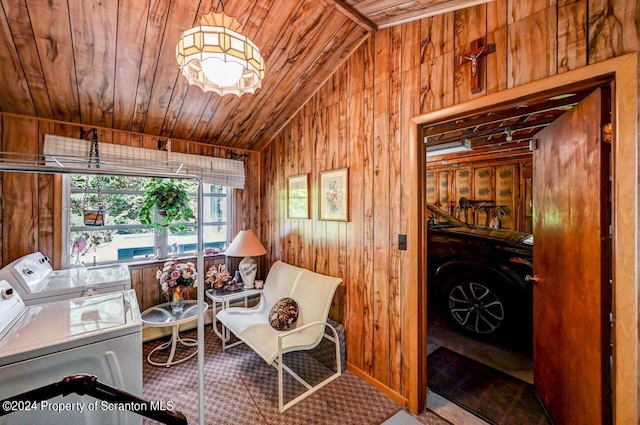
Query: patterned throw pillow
[(284, 314)]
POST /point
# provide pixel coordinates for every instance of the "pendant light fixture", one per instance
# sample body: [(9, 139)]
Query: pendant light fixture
[(216, 57)]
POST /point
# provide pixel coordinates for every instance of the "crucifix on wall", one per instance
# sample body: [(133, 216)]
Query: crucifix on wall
[(474, 56)]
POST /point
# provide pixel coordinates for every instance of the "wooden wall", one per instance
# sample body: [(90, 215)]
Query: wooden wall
[(502, 183), (31, 216), (360, 119)]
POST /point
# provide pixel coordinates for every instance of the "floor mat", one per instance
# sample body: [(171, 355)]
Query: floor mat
[(494, 396)]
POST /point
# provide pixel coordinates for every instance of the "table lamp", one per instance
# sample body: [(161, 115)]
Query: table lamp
[(246, 245)]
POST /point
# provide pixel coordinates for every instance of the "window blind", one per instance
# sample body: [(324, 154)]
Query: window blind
[(220, 171)]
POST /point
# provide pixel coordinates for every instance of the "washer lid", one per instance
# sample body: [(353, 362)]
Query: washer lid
[(62, 325), (72, 282), (109, 273)]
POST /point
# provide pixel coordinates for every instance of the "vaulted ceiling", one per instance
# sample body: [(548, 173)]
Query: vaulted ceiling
[(112, 64)]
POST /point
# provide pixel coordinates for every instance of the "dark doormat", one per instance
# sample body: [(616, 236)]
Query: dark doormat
[(494, 396)]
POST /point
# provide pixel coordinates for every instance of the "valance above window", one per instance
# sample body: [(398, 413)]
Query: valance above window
[(220, 171)]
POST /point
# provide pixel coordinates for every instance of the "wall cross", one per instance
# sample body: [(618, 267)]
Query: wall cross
[(474, 56)]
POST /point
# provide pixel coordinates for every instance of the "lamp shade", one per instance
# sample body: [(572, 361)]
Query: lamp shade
[(245, 244), (217, 57)]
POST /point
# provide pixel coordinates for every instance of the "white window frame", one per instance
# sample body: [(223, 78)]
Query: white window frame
[(161, 246)]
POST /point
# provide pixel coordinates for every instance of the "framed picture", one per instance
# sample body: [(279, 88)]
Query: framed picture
[(298, 196), (334, 195)]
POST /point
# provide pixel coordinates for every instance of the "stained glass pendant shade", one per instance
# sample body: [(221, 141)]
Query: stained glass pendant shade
[(216, 57)]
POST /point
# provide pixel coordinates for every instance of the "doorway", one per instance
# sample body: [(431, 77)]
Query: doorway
[(624, 157), (481, 270)]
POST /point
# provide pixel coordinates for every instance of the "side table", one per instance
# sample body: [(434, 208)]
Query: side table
[(225, 298), (162, 316)]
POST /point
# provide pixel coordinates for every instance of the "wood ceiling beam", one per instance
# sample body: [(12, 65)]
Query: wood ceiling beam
[(394, 18), (508, 114), (535, 125), (355, 16), (481, 155)]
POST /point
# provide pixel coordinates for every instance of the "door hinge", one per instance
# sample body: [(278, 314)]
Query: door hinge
[(606, 132)]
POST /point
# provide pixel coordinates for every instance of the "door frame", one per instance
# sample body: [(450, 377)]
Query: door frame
[(623, 71)]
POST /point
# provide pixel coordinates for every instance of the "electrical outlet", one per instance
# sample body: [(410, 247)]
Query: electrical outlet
[(402, 242)]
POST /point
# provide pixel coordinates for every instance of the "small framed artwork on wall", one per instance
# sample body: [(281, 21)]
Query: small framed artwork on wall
[(298, 196), (334, 195)]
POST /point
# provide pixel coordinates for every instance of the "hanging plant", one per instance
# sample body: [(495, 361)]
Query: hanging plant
[(171, 200)]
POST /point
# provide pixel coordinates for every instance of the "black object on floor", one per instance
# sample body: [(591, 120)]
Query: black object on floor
[(494, 396)]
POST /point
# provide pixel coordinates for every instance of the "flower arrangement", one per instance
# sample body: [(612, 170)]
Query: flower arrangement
[(333, 196), (175, 274), (218, 277)]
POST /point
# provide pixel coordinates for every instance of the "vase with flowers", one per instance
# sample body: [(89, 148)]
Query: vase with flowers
[(174, 278), (218, 277)]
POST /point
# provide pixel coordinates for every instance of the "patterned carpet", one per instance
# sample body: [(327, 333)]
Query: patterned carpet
[(240, 388)]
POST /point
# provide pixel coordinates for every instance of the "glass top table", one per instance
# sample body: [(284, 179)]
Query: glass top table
[(161, 316)]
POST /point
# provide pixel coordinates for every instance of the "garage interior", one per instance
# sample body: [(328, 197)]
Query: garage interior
[(489, 183)]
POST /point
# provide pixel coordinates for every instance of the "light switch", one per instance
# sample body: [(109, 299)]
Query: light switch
[(402, 242)]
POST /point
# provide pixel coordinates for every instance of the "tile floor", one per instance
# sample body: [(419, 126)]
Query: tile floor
[(499, 356)]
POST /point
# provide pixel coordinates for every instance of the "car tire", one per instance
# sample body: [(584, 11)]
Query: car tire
[(478, 304)]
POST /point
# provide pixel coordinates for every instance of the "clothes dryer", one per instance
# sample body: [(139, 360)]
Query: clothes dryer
[(42, 344)]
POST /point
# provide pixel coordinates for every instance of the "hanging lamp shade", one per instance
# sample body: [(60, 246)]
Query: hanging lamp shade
[(216, 57)]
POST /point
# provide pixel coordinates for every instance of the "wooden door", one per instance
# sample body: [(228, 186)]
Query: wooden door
[(571, 261)]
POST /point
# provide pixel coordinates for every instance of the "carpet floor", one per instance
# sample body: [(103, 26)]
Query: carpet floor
[(240, 388), (494, 396)]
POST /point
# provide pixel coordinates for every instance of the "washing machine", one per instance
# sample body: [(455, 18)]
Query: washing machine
[(35, 280), (41, 344)]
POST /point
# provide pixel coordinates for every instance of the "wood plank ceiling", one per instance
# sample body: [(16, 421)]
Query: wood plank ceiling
[(112, 63), (385, 13)]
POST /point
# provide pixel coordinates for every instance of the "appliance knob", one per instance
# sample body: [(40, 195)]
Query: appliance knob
[(7, 293), (28, 272)]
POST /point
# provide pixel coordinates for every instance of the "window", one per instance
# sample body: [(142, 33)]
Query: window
[(122, 237)]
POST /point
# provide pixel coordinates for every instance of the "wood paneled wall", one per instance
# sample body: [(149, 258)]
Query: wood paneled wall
[(506, 184), (31, 204), (360, 119)]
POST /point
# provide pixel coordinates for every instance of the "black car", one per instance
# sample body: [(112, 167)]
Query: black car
[(477, 275)]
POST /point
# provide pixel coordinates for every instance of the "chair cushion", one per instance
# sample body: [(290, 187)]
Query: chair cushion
[(284, 314)]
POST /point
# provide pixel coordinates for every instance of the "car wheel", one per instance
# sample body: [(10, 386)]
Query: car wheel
[(477, 306)]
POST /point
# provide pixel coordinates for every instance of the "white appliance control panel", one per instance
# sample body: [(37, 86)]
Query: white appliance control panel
[(28, 272)]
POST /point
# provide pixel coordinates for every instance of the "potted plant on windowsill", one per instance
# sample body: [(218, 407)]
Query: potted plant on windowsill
[(171, 200)]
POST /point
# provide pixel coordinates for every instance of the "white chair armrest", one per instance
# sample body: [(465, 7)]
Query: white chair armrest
[(299, 329), (283, 335)]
